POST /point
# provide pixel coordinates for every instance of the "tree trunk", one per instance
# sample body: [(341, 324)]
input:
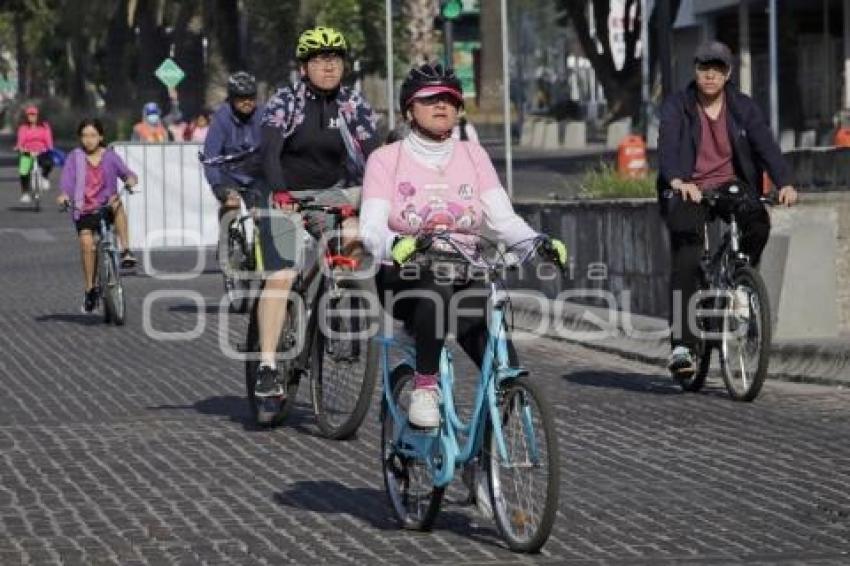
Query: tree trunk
[(622, 87), (422, 40), (152, 49), (117, 60), (489, 93), (21, 56)]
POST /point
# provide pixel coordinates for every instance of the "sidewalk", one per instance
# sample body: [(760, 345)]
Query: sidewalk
[(645, 339)]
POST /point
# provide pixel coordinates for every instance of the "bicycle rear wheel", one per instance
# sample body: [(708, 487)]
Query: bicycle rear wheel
[(745, 345), (270, 411), (524, 489), (414, 498), (114, 308), (344, 367)]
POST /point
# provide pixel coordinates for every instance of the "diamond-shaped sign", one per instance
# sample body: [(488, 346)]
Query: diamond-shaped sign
[(169, 73)]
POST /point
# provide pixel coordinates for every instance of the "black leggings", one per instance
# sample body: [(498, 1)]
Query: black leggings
[(685, 220), (428, 312)]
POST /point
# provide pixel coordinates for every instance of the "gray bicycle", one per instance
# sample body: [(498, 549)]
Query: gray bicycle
[(107, 276)]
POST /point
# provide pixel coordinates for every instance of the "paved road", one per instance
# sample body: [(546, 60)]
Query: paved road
[(116, 448)]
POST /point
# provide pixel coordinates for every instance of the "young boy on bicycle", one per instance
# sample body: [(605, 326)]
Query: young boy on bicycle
[(431, 182), (710, 134)]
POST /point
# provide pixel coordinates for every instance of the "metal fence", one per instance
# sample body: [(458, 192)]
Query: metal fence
[(175, 207)]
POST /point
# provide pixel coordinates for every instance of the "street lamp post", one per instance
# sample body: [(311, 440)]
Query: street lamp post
[(506, 101), (388, 9)]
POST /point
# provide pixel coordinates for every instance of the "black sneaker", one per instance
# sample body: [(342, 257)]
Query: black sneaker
[(268, 383), (128, 260), (89, 301)]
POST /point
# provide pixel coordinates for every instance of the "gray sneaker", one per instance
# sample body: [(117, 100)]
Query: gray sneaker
[(681, 361)]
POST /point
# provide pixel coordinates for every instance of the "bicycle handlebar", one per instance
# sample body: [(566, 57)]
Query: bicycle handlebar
[(306, 203), (70, 206), (539, 245), (225, 159)]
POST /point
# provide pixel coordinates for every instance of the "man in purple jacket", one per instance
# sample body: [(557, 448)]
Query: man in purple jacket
[(235, 129), (711, 134)]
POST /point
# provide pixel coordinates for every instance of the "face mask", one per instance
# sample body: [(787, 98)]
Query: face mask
[(152, 119)]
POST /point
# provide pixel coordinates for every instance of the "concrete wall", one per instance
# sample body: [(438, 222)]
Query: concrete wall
[(806, 265), (624, 236)]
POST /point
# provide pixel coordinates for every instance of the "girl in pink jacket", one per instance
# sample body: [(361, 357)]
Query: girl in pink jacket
[(35, 139)]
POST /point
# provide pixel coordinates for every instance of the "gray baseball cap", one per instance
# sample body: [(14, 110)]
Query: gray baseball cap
[(713, 51)]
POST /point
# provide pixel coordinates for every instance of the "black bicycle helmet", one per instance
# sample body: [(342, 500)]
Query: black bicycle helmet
[(434, 78), (241, 85)]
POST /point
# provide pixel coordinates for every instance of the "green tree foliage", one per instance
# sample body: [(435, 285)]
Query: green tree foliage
[(102, 55)]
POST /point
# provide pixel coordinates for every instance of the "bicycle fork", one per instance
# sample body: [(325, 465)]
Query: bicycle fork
[(502, 373)]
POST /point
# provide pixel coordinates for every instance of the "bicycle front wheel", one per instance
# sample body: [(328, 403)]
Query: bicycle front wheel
[(232, 261), (408, 480), (745, 344), (524, 486), (344, 367), (269, 411), (36, 188), (114, 308)]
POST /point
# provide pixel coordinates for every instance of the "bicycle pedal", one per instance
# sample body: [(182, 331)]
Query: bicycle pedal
[(511, 373), (423, 431)]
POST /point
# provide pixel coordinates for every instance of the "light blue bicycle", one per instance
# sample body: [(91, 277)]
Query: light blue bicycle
[(510, 430)]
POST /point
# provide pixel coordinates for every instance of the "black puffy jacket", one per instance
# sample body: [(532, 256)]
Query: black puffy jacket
[(753, 147)]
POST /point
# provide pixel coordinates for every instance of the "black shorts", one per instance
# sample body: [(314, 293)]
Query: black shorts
[(89, 222)]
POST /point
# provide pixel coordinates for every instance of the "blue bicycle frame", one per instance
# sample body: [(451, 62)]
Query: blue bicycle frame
[(441, 448)]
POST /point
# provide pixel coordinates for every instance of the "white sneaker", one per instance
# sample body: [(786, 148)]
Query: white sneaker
[(26, 198), (425, 407), (741, 303), (681, 361)]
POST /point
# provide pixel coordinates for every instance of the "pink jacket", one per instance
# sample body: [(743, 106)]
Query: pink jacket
[(34, 139)]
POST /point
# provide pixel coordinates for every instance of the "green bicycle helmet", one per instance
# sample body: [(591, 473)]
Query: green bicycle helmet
[(320, 39)]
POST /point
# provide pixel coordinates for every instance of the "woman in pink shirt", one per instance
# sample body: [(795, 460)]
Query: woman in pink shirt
[(35, 139), (430, 182)]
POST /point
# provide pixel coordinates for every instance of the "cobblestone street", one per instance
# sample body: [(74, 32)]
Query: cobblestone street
[(118, 448)]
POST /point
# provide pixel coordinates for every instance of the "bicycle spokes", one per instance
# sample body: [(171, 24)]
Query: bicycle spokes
[(525, 479)]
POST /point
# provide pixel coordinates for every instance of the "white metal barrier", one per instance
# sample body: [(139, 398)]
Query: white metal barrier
[(175, 207)]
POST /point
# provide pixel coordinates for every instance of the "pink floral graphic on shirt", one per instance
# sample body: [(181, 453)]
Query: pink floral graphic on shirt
[(436, 213)]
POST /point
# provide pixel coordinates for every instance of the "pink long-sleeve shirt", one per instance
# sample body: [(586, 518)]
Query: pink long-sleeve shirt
[(34, 139)]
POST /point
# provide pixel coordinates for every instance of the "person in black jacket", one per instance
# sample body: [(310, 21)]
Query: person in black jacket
[(710, 135)]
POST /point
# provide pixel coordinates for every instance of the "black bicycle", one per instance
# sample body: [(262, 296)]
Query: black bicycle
[(325, 336), (733, 309), (237, 252), (107, 275)]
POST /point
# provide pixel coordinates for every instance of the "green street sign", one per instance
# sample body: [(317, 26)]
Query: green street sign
[(451, 9), (169, 73)]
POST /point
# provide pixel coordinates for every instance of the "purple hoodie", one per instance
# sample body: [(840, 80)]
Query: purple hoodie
[(73, 181)]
